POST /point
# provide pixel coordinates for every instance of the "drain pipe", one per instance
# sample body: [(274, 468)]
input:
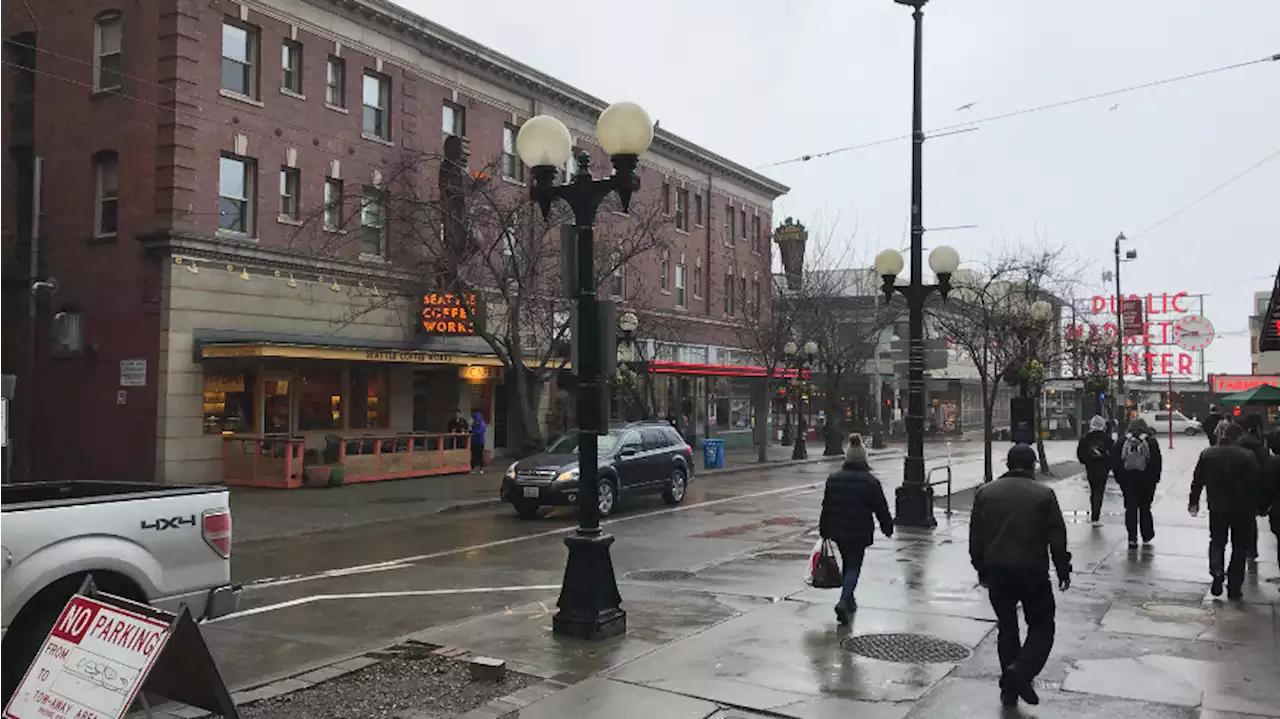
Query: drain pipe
[(29, 406)]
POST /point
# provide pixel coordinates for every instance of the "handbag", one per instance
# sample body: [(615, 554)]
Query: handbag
[(824, 568)]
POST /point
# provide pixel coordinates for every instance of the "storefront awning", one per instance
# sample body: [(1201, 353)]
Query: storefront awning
[(716, 370), (268, 350)]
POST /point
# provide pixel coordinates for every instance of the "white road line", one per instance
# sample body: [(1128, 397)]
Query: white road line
[(378, 595)]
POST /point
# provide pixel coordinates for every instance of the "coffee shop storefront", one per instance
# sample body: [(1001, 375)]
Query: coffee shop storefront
[(280, 408)]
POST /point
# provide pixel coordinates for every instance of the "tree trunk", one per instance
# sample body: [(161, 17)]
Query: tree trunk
[(525, 435), (763, 412), (835, 425), (1044, 460), (988, 416)]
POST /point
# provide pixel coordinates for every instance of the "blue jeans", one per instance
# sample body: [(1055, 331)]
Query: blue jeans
[(851, 556)]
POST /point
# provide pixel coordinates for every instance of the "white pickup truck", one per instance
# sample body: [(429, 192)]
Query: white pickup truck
[(164, 545)]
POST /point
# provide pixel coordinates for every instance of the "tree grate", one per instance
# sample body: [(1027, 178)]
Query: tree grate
[(906, 648)]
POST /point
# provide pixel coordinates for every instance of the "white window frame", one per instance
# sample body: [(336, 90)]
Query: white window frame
[(101, 165), (664, 273), (248, 167), (290, 175), (682, 299), (100, 51), (335, 81), (383, 129), (618, 282), (332, 203), (251, 57), (291, 63), (512, 167), (457, 128), (682, 209), (373, 197)]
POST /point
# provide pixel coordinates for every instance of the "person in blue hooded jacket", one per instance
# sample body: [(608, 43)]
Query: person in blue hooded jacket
[(477, 443)]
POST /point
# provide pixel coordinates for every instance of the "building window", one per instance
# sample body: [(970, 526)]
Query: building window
[(755, 234), (755, 298), (106, 59), (682, 209), (373, 222), (240, 59), (335, 82), (319, 399), (512, 169), (291, 66), (369, 408), (617, 282), (728, 223), (66, 333), (571, 165), (680, 298), (697, 280), (377, 105), (235, 194), (728, 294), (742, 224), (742, 294), (332, 203), (697, 209), (664, 272), (666, 199), (290, 182), (510, 254), (228, 402), (106, 171), (453, 121)]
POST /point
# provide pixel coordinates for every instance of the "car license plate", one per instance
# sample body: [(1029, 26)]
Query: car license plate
[(531, 492)]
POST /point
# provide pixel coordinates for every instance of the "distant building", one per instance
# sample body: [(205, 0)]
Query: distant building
[(1264, 332)]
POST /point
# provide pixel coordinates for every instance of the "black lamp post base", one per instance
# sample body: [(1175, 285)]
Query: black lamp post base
[(800, 451), (590, 605), (914, 507)]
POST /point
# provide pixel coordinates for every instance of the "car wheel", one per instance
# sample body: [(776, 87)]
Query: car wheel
[(608, 494), (675, 491), (526, 510), (1192, 431)]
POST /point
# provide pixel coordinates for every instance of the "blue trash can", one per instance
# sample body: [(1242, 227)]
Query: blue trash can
[(713, 454)]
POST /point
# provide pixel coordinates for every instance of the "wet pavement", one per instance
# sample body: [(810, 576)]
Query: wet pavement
[(720, 624)]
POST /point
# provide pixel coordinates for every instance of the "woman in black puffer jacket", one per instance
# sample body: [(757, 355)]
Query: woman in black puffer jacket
[(852, 502)]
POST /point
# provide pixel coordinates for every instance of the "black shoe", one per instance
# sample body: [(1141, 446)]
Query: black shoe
[(1133, 544), (1009, 688), (1234, 595), (1028, 694), (1216, 588), (842, 614)]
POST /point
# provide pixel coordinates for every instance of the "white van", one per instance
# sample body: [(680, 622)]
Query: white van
[(1182, 424)]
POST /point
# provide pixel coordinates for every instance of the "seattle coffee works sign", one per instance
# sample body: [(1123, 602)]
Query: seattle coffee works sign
[(446, 313)]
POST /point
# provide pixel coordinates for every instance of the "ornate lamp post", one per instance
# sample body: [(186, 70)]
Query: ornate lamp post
[(590, 606), (799, 357), (914, 499)]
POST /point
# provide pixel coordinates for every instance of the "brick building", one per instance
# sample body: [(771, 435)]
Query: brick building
[(175, 149)]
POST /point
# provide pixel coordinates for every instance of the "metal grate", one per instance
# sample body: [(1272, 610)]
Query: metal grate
[(906, 648), (660, 575)]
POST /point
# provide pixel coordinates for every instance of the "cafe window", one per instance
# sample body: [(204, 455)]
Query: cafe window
[(228, 402), (319, 400), (369, 398)]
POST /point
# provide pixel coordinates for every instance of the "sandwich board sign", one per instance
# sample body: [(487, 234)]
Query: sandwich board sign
[(104, 650)]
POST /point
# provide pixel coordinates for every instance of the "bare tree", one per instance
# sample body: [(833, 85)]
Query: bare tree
[(477, 239), (764, 331)]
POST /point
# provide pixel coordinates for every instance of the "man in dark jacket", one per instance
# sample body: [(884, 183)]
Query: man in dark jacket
[(1211, 423), (1138, 465), (1232, 477), (1094, 452), (1015, 527), (1255, 441), (851, 503), (1271, 487)]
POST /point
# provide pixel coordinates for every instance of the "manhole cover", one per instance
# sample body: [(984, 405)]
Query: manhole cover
[(906, 648), (783, 556), (399, 500), (660, 575)]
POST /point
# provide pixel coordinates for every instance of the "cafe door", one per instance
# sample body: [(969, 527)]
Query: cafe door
[(277, 403)]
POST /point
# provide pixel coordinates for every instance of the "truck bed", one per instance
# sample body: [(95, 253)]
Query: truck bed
[(42, 495)]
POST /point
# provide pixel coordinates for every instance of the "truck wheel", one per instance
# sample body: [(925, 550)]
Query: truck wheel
[(526, 510), (22, 641)]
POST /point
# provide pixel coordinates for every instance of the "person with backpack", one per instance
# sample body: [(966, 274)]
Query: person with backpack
[(1138, 468), (1211, 423), (1094, 452), (852, 503), (1232, 477)]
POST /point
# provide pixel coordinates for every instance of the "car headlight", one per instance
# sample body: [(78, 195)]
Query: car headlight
[(568, 476), (511, 471)]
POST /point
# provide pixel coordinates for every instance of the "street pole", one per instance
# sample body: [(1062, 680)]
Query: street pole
[(914, 499), (1121, 402)]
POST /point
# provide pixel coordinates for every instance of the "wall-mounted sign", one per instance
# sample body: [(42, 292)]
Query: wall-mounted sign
[(1192, 333), (479, 373), (444, 313), (1230, 383), (133, 373)]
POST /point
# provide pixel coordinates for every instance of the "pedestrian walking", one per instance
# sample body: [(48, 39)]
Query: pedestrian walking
[(1255, 441), (1094, 452), (477, 443), (1138, 467), (1211, 423), (1015, 528), (1232, 478), (852, 502), (1221, 430), (1271, 489)]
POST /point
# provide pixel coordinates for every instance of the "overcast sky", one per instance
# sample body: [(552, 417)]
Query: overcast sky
[(758, 84)]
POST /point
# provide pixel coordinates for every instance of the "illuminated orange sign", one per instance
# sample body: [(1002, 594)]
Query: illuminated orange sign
[(444, 313)]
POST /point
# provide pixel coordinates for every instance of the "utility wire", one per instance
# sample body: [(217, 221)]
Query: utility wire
[(1209, 194), (1026, 111)]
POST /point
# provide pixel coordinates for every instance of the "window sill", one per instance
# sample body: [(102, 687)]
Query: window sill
[(106, 91), (335, 230), (514, 181), (233, 235), (284, 220), (665, 292), (104, 239), (681, 232), (379, 140), (376, 259), (338, 108), (232, 95), (290, 93)]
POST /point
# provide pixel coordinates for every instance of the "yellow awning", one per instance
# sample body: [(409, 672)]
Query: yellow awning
[(258, 350)]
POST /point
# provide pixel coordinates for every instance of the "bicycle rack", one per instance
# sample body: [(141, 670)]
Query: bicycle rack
[(947, 481)]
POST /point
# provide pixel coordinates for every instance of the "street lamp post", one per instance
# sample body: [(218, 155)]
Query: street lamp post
[(800, 357), (913, 501), (590, 605), (1122, 402)]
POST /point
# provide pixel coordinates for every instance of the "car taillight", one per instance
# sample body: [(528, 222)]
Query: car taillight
[(217, 531)]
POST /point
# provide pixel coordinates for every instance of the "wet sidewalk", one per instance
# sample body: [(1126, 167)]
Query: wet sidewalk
[(266, 514), (1138, 635)]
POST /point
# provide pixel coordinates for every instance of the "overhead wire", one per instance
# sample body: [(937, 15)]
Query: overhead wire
[(1221, 186), (1025, 111)]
